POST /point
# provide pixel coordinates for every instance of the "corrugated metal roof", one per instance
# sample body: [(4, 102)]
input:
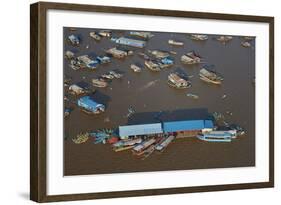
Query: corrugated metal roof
[(144, 129), (209, 124), (88, 103), (183, 125)]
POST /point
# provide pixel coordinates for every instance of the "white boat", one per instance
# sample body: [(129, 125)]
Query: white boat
[(175, 43)]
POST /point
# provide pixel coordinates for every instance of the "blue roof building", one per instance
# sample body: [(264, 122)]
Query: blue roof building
[(89, 105), (131, 42), (144, 129), (187, 125)]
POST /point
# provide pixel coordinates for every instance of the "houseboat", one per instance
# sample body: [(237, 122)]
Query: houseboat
[(117, 53), (76, 89), (95, 36), (88, 105), (159, 54), (99, 83), (115, 74), (135, 68), (105, 33), (103, 59), (152, 65), (87, 62), (210, 76), (176, 81), (191, 58), (130, 42)]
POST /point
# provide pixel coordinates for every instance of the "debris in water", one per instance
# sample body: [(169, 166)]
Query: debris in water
[(229, 113), (148, 85), (224, 96), (81, 138), (192, 96), (131, 111)]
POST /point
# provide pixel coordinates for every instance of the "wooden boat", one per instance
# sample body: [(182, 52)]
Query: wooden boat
[(163, 144), (99, 83), (152, 65), (210, 76), (95, 36), (176, 81), (135, 68), (191, 58)]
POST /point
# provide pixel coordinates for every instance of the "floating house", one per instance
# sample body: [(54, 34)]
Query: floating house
[(130, 42), (188, 128), (76, 89), (88, 105), (86, 62), (139, 130), (117, 53)]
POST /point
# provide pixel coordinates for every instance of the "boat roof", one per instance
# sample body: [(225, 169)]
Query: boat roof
[(89, 102), (142, 129)]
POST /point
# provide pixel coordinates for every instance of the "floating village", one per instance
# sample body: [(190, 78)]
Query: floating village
[(144, 139)]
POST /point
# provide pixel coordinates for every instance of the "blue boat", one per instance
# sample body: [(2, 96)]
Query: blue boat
[(88, 105), (74, 40)]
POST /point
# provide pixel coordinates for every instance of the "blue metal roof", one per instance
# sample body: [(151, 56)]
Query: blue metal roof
[(88, 103), (144, 129), (208, 124), (184, 125)]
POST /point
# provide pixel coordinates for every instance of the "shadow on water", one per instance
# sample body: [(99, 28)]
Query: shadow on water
[(175, 115), (103, 99)]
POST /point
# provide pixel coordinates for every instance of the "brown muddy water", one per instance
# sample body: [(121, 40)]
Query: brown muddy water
[(148, 93)]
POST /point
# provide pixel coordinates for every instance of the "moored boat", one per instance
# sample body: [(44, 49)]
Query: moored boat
[(175, 43), (99, 83), (95, 36), (176, 81), (135, 68), (152, 65), (199, 37), (164, 143), (210, 76), (191, 58)]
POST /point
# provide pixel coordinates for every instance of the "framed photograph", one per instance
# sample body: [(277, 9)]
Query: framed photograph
[(135, 102)]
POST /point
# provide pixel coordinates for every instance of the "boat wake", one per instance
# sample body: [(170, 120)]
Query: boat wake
[(148, 85)]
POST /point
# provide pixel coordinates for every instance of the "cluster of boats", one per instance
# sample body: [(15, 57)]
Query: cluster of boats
[(104, 79), (143, 147)]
